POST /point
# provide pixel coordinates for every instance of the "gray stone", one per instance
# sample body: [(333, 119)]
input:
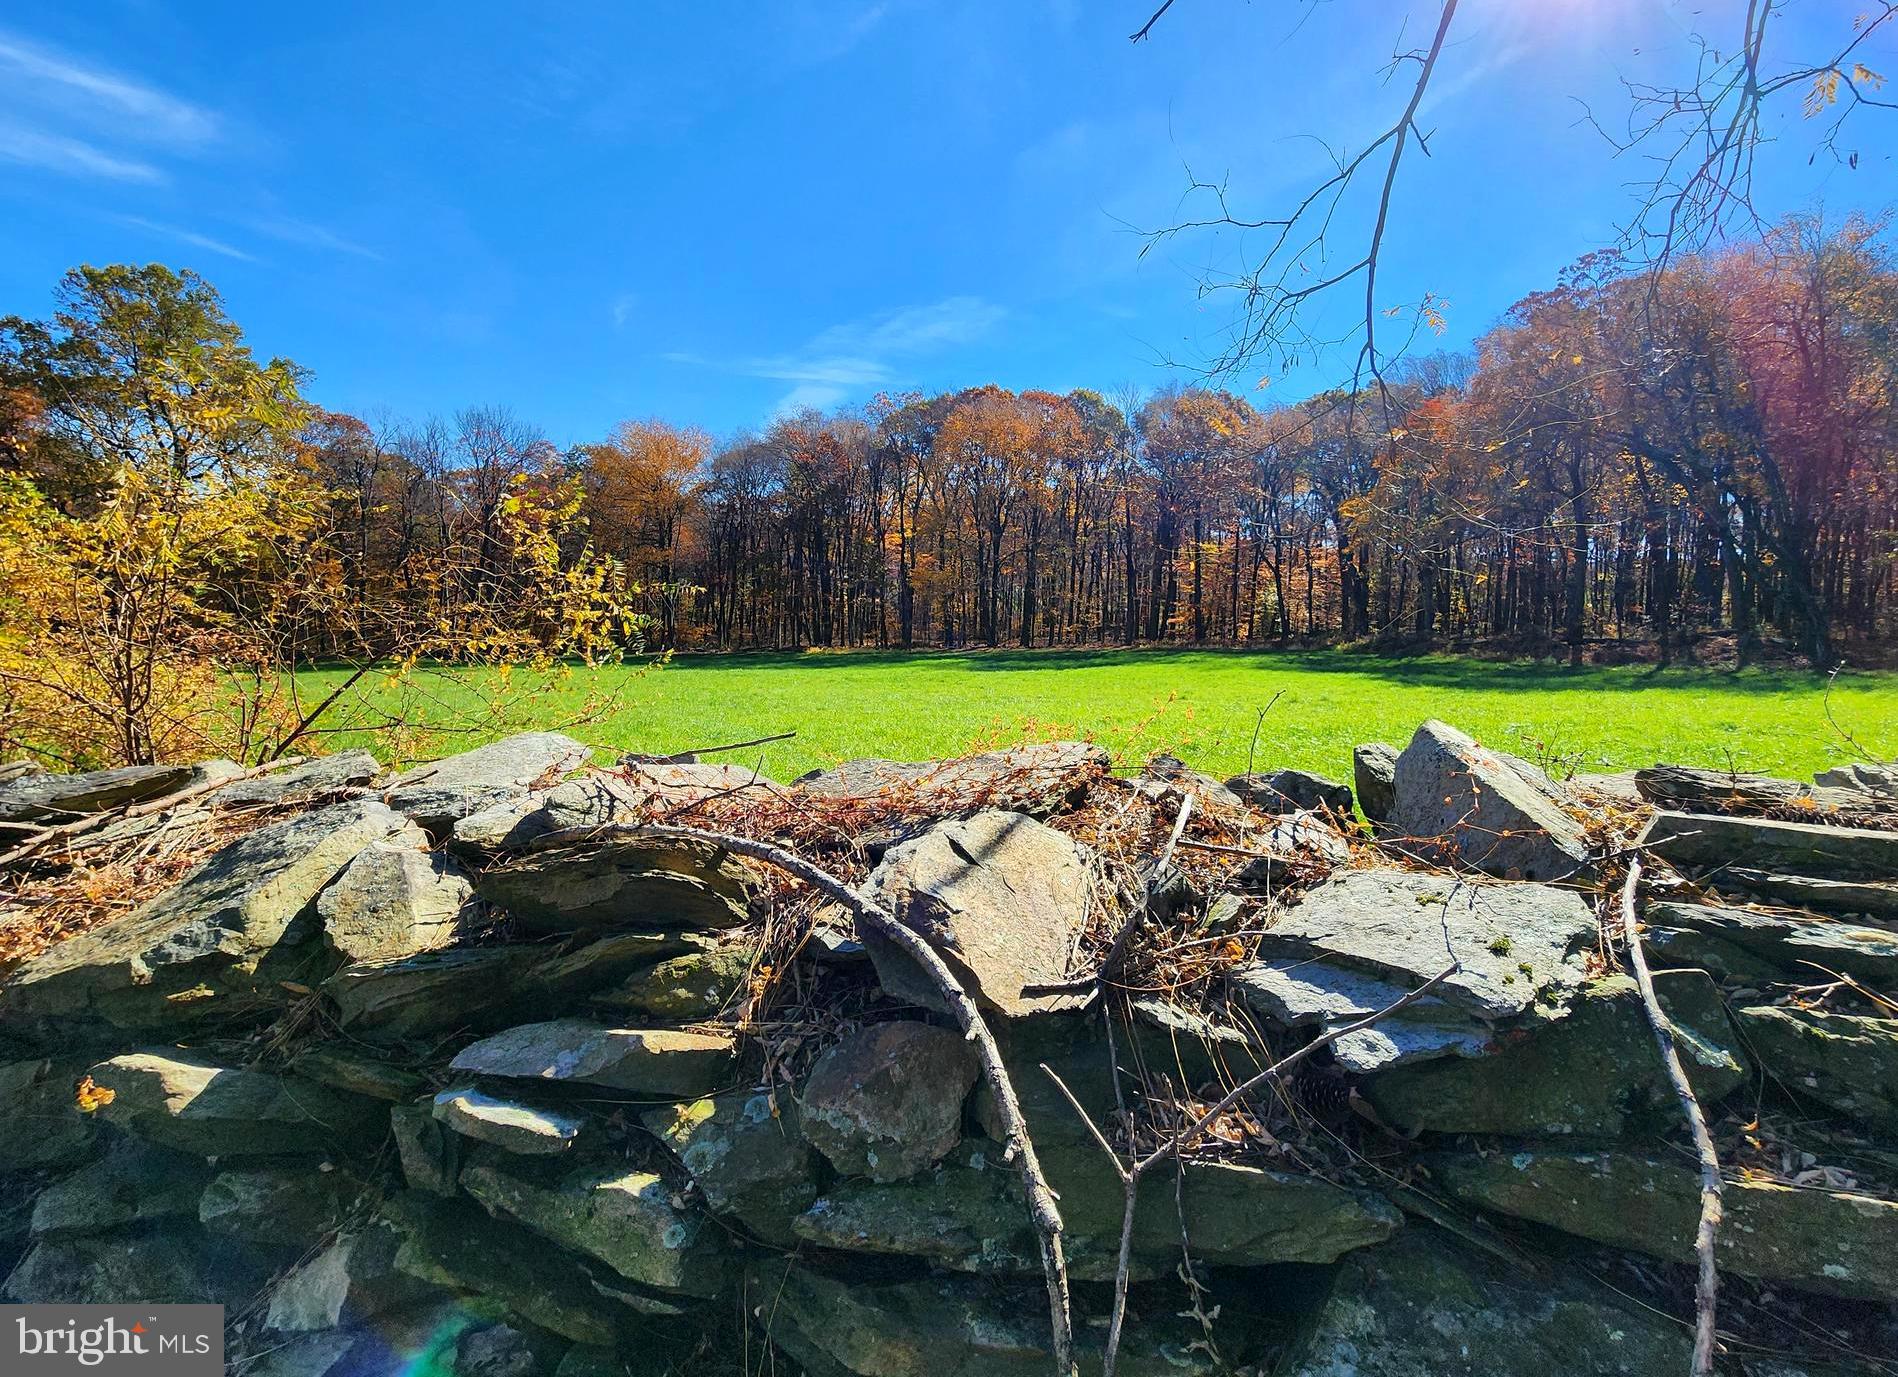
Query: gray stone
[(1868, 897), (1001, 897), (36, 796), (430, 1154), (277, 1207), (584, 967), (395, 900), (356, 1071), (748, 1158), (887, 1100), (350, 1281), (1423, 1306), (302, 784), (1880, 781), (132, 1184), (439, 793), (683, 988), (656, 1061), (1298, 992), (1037, 779), (115, 1269), (1167, 777), (1594, 1073), (206, 945), (1803, 948), (185, 1101), (968, 1213), (1302, 845), (617, 1215), (438, 991), (1833, 1242), (1518, 946), (959, 1326), (630, 881), (454, 1244), (1292, 791), (500, 1350), (525, 1129), (45, 1127), (628, 794), (1798, 848), (1459, 801), (1847, 1061), (1374, 776)]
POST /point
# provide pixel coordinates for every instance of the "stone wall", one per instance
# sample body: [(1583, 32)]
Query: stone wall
[(460, 1070)]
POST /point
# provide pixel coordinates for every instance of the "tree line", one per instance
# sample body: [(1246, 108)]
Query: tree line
[(1623, 465), (1625, 459)]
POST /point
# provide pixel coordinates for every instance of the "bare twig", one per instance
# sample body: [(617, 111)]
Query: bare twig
[(1708, 1285)]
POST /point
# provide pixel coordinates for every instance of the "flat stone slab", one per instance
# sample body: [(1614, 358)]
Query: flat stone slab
[(1868, 897), (435, 992), (302, 784), (199, 947), (442, 791), (1834, 1242), (649, 882), (1519, 945), (1298, 993), (1804, 948), (659, 1061), (968, 1214), (185, 1101), (1036, 779), (1593, 1073), (1292, 791), (33, 797), (134, 1183), (1427, 1305), (528, 1130), (1847, 1061), (1798, 848)]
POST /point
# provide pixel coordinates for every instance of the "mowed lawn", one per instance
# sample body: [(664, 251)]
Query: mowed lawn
[(1203, 705)]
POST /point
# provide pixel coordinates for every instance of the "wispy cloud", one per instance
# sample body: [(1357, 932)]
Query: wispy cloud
[(25, 147), (310, 236), (861, 354), (191, 237), (623, 309), (58, 82)]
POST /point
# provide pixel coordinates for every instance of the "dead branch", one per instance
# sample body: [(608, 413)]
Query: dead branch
[(1708, 1284), (1042, 1210), (1130, 1173), (687, 755)]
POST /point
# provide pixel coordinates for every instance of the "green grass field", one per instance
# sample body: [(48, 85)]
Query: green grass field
[(1202, 705)]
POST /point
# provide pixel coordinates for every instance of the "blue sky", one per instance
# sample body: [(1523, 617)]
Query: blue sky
[(715, 211)]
